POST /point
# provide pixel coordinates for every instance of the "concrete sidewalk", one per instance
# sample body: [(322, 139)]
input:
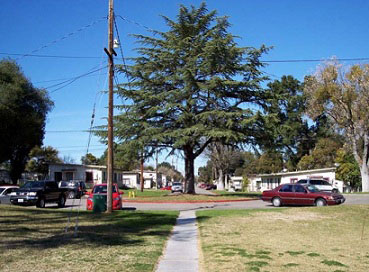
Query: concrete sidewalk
[(181, 253)]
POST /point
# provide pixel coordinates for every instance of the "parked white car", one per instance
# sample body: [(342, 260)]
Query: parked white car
[(321, 184), (5, 192), (177, 187)]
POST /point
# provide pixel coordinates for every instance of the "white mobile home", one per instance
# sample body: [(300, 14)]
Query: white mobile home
[(270, 181), (95, 174)]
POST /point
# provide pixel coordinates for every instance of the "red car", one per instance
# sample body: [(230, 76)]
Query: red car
[(102, 189), (166, 188), (297, 194)]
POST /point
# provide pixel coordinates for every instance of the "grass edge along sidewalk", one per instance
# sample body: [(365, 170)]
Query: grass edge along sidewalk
[(285, 239), (35, 239)]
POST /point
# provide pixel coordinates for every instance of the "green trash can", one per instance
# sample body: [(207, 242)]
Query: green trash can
[(99, 203)]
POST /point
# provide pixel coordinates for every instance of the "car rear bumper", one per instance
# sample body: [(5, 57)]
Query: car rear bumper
[(26, 200), (117, 204)]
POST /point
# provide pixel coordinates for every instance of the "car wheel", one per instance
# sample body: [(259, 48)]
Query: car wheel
[(335, 190), (276, 202), (71, 194), (41, 203), (61, 202), (320, 202)]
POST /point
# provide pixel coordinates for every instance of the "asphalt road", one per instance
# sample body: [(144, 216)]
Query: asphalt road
[(351, 199)]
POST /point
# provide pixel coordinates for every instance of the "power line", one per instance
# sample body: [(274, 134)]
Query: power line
[(70, 81), (62, 38), (136, 23), (122, 55), (77, 146), (264, 61), (49, 56), (314, 60), (59, 79), (71, 131)]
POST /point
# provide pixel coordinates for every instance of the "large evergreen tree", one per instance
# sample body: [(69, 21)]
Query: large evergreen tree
[(191, 86)]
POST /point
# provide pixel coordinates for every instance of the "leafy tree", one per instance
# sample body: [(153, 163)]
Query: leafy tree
[(287, 132), (342, 94), (68, 159), (40, 157), (225, 160), (125, 158), (323, 155), (90, 159), (205, 173), (348, 170), (191, 86), (23, 110), (169, 171), (249, 163), (269, 162)]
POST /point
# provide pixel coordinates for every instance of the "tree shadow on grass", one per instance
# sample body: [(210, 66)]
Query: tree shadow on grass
[(44, 229)]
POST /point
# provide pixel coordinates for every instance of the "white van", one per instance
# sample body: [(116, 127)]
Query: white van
[(321, 184)]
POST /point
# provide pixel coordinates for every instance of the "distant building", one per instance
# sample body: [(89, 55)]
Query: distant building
[(270, 181), (95, 174)]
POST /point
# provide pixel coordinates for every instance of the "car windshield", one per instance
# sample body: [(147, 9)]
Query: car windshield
[(313, 189), (34, 184), (177, 184), (64, 184), (1, 190), (102, 189)]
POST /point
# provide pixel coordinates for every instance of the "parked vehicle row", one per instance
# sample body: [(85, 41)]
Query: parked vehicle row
[(208, 186), (175, 187), (76, 188), (39, 193), (301, 194)]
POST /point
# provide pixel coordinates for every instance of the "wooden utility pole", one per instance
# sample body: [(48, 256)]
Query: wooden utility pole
[(156, 170), (142, 180), (110, 52)]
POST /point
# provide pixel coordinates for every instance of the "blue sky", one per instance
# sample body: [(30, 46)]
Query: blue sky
[(298, 30)]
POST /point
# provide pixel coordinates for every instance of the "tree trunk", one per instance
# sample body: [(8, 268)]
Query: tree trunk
[(220, 185), (189, 170), (364, 171)]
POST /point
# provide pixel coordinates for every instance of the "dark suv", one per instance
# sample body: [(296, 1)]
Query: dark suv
[(76, 188)]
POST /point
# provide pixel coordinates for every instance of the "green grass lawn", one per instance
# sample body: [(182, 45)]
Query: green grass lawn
[(166, 196), (35, 240), (334, 238)]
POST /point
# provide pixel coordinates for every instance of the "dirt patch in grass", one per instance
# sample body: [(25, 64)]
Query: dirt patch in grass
[(301, 216), (39, 240), (286, 239)]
